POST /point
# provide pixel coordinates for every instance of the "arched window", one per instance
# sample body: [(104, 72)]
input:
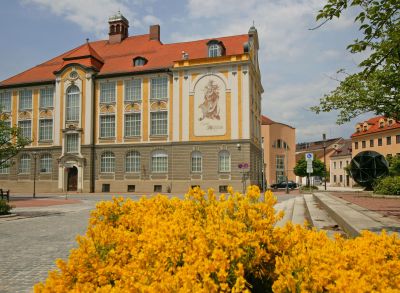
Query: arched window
[(224, 161), (159, 162), (214, 50), (132, 162), (197, 162), (72, 104), (107, 163), (139, 61), (25, 164), (45, 163)]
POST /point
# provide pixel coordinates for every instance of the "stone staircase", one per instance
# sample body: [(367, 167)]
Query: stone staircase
[(334, 215)]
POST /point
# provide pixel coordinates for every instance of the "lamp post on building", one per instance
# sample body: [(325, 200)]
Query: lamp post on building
[(324, 146), (34, 155)]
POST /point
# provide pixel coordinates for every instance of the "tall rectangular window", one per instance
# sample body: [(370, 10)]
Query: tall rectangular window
[(356, 145), (159, 123), (25, 164), (26, 128), (133, 90), (379, 141), (371, 143), (388, 140), (107, 92), (45, 163), (364, 144), (46, 97), (5, 170), (107, 126), (280, 168), (25, 100), (159, 88), (72, 143), (5, 101), (132, 124), (45, 129), (398, 138)]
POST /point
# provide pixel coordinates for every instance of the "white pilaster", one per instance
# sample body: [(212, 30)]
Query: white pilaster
[(175, 105), (233, 84), (57, 112), (245, 103), (185, 107), (88, 109)]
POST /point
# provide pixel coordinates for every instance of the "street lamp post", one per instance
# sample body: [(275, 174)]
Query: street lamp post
[(324, 146), (34, 155), (287, 168)]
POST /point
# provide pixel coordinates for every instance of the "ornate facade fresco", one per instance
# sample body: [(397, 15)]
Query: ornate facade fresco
[(210, 107)]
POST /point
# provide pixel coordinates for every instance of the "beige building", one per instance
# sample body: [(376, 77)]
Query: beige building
[(279, 150), (131, 113), (377, 134), (339, 160), (317, 148)]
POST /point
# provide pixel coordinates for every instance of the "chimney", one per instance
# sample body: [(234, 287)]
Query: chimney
[(118, 28), (154, 33)]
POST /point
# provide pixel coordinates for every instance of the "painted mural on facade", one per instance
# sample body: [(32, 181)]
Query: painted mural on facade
[(210, 107)]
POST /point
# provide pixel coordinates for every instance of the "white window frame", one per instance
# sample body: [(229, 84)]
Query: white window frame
[(25, 129), (132, 162), (25, 164), (108, 92), (45, 131), (6, 170), (133, 90), (214, 50), (159, 90), (5, 101), (132, 127), (159, 162), (25, 100), (46, 97), (156, 129), (224, 161), (107, 162), (71, 145), (196, 162), (107, 126), (46, 162), (72, 104)]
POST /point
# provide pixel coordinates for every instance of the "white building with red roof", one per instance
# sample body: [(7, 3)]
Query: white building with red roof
[(131, 113)]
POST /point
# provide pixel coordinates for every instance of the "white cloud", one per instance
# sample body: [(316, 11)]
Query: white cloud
[(90, 15)]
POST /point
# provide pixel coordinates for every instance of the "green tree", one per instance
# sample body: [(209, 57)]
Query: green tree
[(376, 87), (301, 168), (394, 165), (11, 142)]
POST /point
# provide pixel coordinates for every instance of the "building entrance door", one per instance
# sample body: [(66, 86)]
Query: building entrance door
[(72, 180)]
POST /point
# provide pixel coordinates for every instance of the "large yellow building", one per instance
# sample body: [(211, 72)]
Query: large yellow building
[(133, 114)]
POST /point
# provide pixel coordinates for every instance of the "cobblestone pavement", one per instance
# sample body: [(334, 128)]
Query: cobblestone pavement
[(31, 242), (30, 246), (389, 207)]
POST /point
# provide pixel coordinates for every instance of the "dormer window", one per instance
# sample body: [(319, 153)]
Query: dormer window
[(381, 124), (139, 61), (390, 122), (358, 129), (215, 48)]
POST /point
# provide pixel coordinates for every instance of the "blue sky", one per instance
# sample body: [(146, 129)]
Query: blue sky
[(298, 65)]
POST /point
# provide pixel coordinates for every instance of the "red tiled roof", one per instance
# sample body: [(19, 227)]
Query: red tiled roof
[(344, 149), (266, 121), (117, 58), (374, 126)]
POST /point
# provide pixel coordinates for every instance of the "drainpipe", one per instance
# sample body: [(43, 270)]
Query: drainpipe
[(93, 157)]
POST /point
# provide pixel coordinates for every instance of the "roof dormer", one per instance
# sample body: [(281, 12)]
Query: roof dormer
[(215, 48), (139, 61), (365, 126), (381, 123)]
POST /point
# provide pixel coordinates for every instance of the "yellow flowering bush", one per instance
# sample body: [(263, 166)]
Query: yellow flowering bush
[(225, 244), (199, 244), (311, 262)]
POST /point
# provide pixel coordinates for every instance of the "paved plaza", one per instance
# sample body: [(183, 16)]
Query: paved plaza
[(42, 232)]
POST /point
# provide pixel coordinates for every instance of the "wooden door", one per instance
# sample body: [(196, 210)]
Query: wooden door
[(72, 179)]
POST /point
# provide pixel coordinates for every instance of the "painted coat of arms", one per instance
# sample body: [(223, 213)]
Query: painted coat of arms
[(210, 107)]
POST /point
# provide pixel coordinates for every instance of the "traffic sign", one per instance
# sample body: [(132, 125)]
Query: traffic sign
[(310, 170), (309, 156)]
